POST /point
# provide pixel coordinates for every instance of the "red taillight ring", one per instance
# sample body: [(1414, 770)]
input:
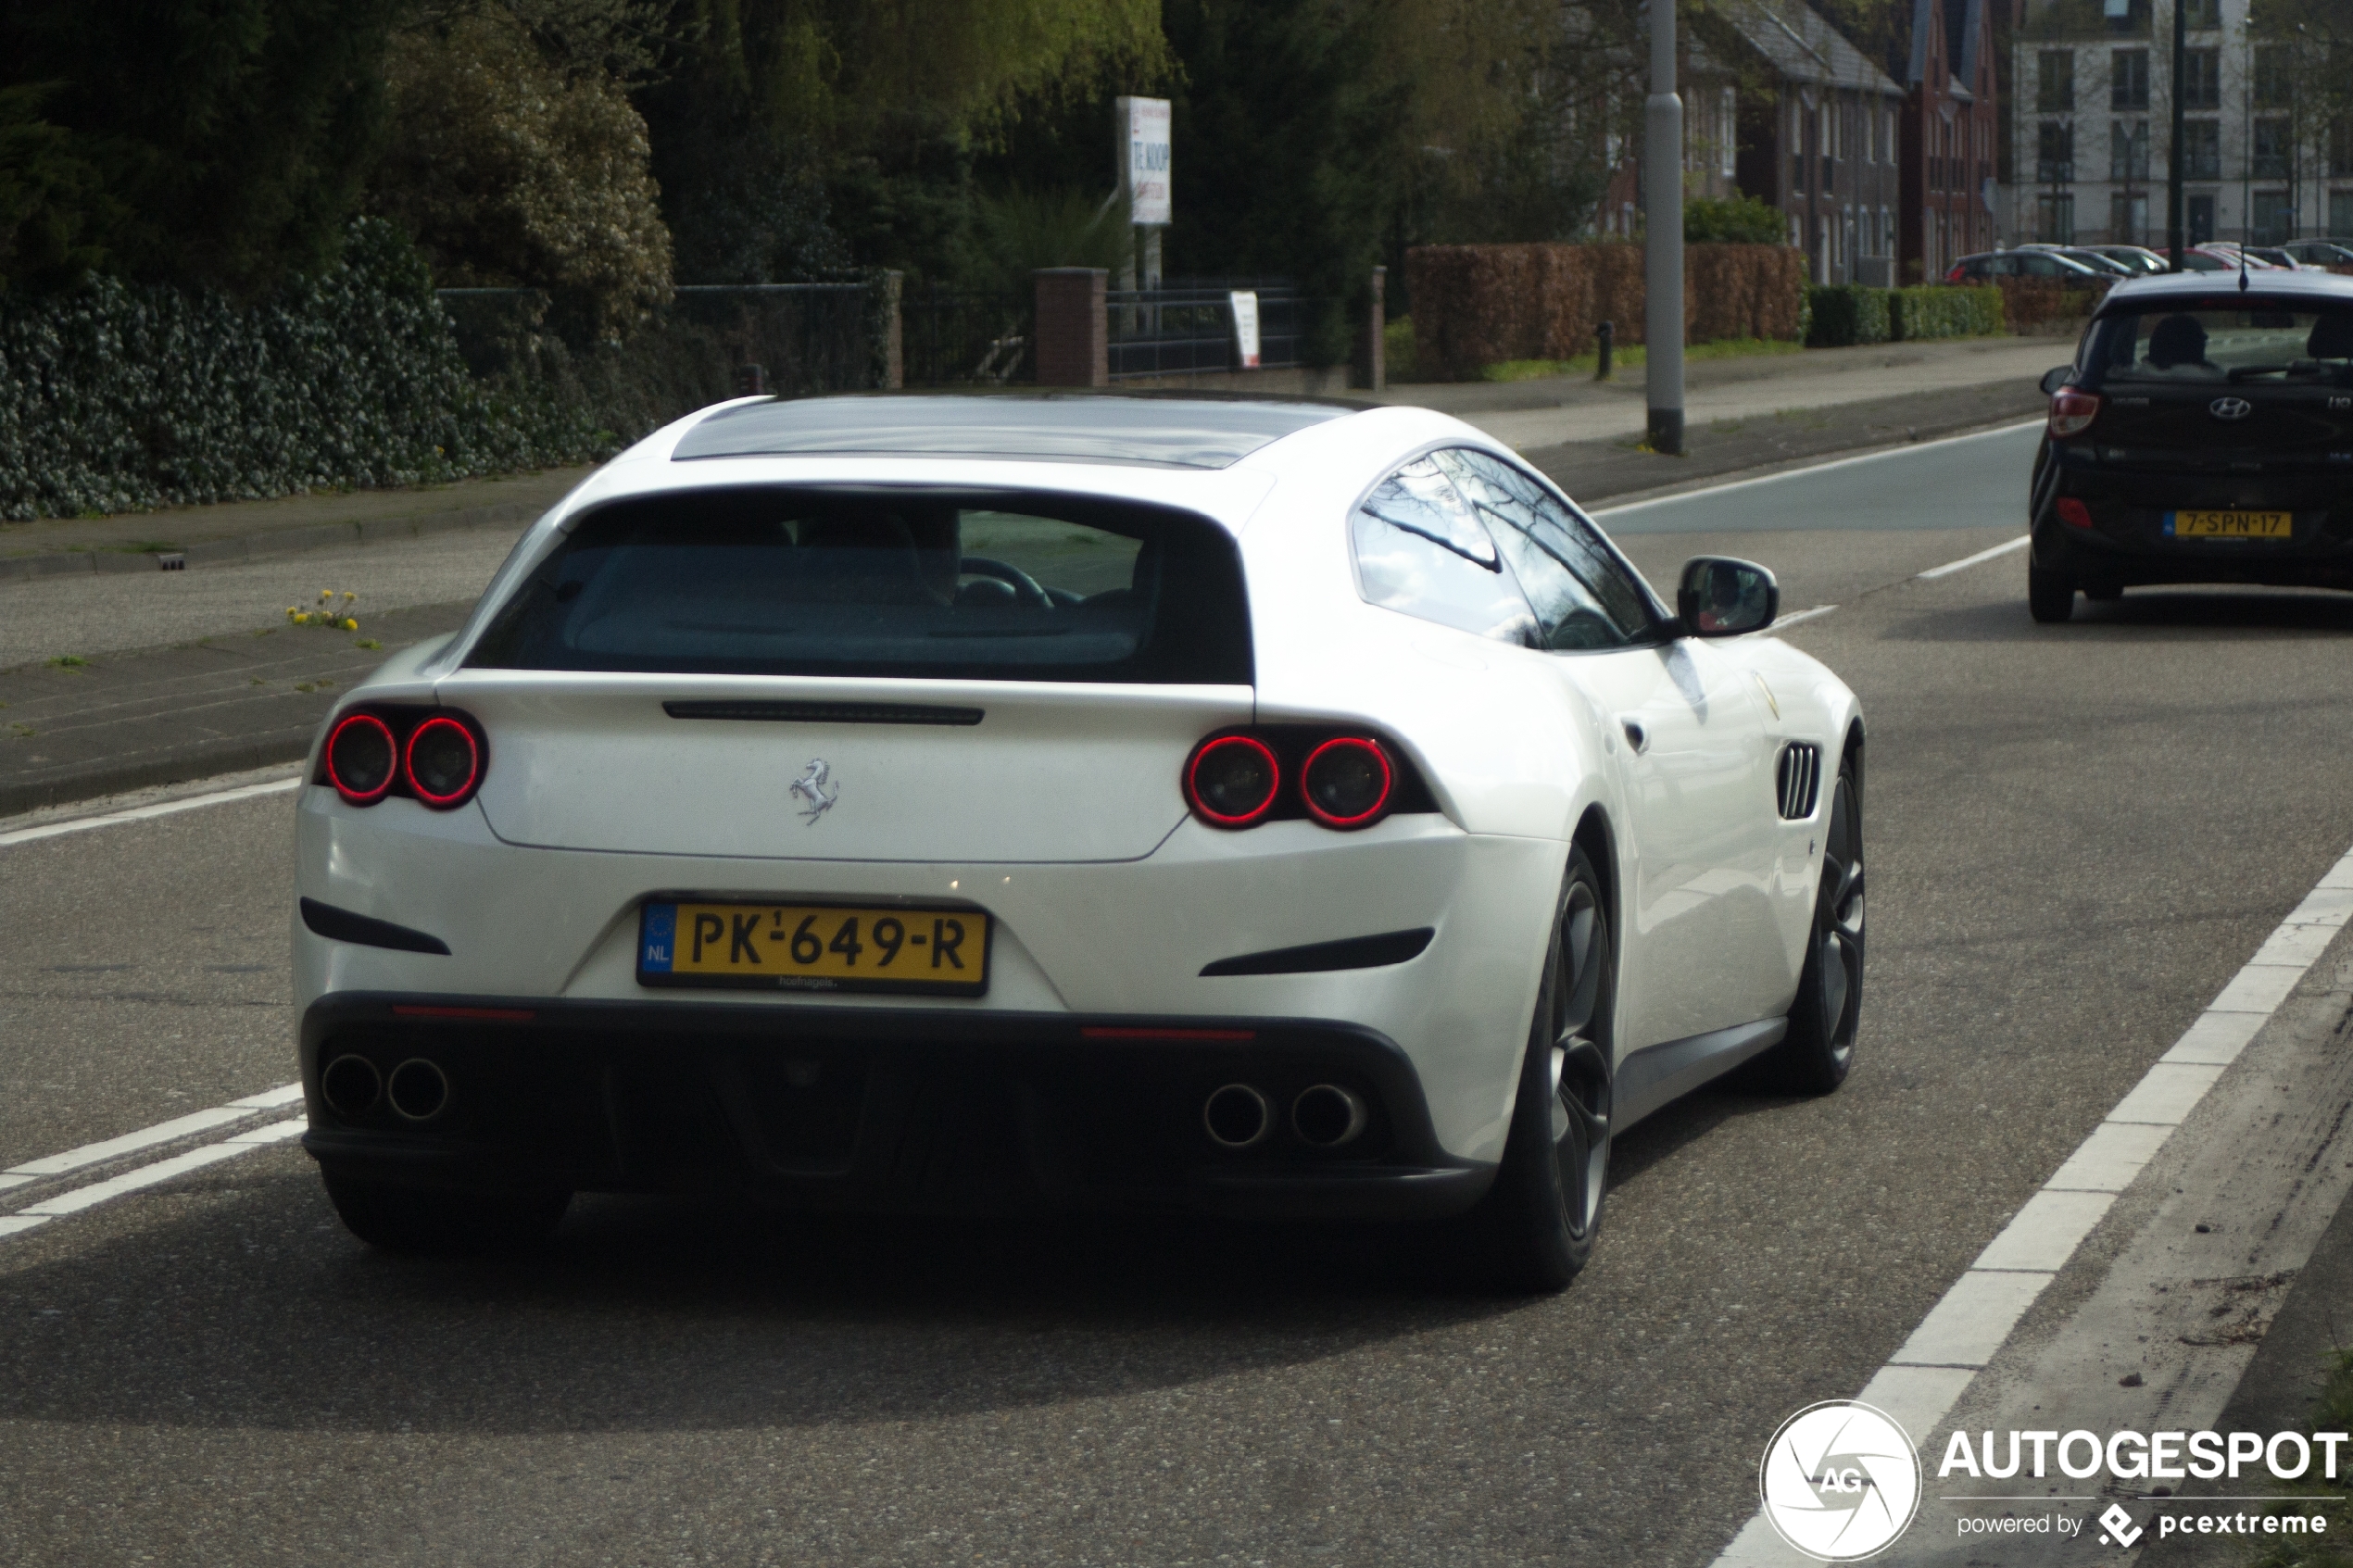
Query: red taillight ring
[(1388, 784), (474, 771), (391, 747), (1192, 788)]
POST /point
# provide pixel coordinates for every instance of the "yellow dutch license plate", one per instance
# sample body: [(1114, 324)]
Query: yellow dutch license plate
[(2230, 525), (814, 948)]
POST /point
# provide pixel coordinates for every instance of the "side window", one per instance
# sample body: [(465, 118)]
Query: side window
[(1583, 596), (1422, 551)]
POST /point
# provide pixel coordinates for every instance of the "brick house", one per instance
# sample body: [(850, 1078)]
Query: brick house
[(1951, 119), (1822, 143)]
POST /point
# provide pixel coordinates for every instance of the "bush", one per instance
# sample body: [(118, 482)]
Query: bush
[(116, 397), (1397, 350), (1845, 313), (1741, 220), (2032, 304), (1943, 311)]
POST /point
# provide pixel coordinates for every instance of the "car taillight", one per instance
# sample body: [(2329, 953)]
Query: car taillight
[(1955, 275), (442, 762), (362, 756), (2073, 411), (1347, 783), (1231, 780), (2073, 512)]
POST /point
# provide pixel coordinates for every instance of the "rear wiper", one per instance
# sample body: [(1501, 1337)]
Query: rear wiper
[(2241, 372)]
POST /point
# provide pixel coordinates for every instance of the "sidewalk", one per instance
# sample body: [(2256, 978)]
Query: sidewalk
[(238, 688)]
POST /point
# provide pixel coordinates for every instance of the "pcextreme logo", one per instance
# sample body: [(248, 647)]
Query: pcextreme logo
[(1840, 1481)]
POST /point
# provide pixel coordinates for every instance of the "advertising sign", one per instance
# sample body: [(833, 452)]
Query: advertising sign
[(1143, 159), (1245, 328)]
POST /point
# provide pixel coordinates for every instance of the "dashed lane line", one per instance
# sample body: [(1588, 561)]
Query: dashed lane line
[(1807, 472), (1950, 567)]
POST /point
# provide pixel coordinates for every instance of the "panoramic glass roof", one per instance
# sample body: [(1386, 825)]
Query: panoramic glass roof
[(1178, 432)]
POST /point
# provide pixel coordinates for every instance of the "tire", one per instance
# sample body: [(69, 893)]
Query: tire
[(1818, 1051), (1538, 1222), (2050, 594), (424, 1223)]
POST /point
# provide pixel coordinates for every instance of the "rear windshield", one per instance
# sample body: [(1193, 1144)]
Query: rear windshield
[(2212, 342), (978, 586)]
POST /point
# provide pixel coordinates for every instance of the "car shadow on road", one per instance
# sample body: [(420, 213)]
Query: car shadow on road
[(249, 1306), (2142, 615)]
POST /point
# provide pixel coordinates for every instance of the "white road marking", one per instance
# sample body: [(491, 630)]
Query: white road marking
[(80, 1198), (147, 1137), (1950, 567), (1816, 468), (1801, 615), (142, 813), (1927, 1376)]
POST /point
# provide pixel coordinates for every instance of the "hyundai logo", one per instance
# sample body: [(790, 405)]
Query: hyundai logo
[(2229, 408)]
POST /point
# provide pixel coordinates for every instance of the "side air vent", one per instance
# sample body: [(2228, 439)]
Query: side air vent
[(1800, 779)]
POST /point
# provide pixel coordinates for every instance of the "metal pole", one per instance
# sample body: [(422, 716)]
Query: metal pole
[(2173, 163), (1662, 237)]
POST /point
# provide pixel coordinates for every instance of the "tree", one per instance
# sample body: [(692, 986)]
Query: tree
[(221, 143), (510, 167), (47, 189)]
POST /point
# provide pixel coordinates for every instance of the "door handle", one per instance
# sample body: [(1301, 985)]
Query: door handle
[(1636, 736)]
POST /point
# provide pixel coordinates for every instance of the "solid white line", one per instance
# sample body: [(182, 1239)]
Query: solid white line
[(147, 1137), (1815, 469), (142, 813), (1963, 564), (80, 1198), (1927, 1376)]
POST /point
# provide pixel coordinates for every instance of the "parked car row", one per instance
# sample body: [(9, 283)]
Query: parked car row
[(2081, 266)]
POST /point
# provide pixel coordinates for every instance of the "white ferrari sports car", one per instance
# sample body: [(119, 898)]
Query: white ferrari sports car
[(993, 803)]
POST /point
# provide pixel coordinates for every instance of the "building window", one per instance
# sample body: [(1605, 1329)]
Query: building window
[(2054, 81), (2341, 212), (2201, 218), (1728, 134), (2202, 149), (2274, 218), (2202, 13), (2128, 79), (2128, 216), (2053, 152), (2054, 218), (2274, 147), (2128, 149), (2202, 78), (2340, 156), (2275, 87)]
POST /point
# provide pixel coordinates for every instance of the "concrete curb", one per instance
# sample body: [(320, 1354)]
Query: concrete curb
[(266, 542), (182, 764)]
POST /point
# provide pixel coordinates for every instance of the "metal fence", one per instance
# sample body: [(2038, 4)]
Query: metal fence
[(1189, 331), (956, 337)]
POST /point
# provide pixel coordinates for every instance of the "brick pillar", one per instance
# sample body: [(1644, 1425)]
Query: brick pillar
[(894, 366), (1074, 336)]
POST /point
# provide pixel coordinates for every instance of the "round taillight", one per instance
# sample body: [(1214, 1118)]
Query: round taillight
[(361, 759), (443, 762), (1347, 783), (1231, 780)]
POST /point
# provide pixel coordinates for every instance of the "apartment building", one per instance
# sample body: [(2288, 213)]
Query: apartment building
[(2267, 153)]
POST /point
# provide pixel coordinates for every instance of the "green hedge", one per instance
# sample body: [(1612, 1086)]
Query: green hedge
[(1944, 310), (115, 397), (1841, 314)]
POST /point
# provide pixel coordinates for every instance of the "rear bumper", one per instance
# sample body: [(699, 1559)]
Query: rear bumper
[(2126, 543), (911, 1110)]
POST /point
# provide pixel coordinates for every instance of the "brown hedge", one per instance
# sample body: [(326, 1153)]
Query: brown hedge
[(1474, 306), (2039, 304)]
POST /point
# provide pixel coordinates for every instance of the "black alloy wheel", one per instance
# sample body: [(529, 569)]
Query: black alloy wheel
[(1539, 1218), (2050, 594), (433, 1222), (1816, 1055)]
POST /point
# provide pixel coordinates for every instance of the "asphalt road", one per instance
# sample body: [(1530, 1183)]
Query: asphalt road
[(2076, 836)]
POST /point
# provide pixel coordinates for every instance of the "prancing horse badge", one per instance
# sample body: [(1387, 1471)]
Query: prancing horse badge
[(811, 787)]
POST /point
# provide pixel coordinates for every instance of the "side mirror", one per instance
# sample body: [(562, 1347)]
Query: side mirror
[(2054, 379), (1718, 597)]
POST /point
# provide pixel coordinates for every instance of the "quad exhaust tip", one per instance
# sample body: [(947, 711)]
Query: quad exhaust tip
[(419, 1089), (351, 1087), (1327, 1116), (1238, 1116)]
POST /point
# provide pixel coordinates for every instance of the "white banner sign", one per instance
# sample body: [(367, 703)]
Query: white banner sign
[(1246, 329), (1143, 159)]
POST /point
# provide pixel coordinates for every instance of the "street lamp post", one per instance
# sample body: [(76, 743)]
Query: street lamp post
[(2173, 160), (1662, 237)]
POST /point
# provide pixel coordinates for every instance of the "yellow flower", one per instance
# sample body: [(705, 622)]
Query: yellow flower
[(348, 595)]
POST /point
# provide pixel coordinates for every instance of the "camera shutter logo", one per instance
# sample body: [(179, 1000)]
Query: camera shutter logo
[(1840, 1480)]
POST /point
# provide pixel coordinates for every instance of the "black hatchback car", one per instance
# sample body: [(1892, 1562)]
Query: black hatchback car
[(2204, 434)]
